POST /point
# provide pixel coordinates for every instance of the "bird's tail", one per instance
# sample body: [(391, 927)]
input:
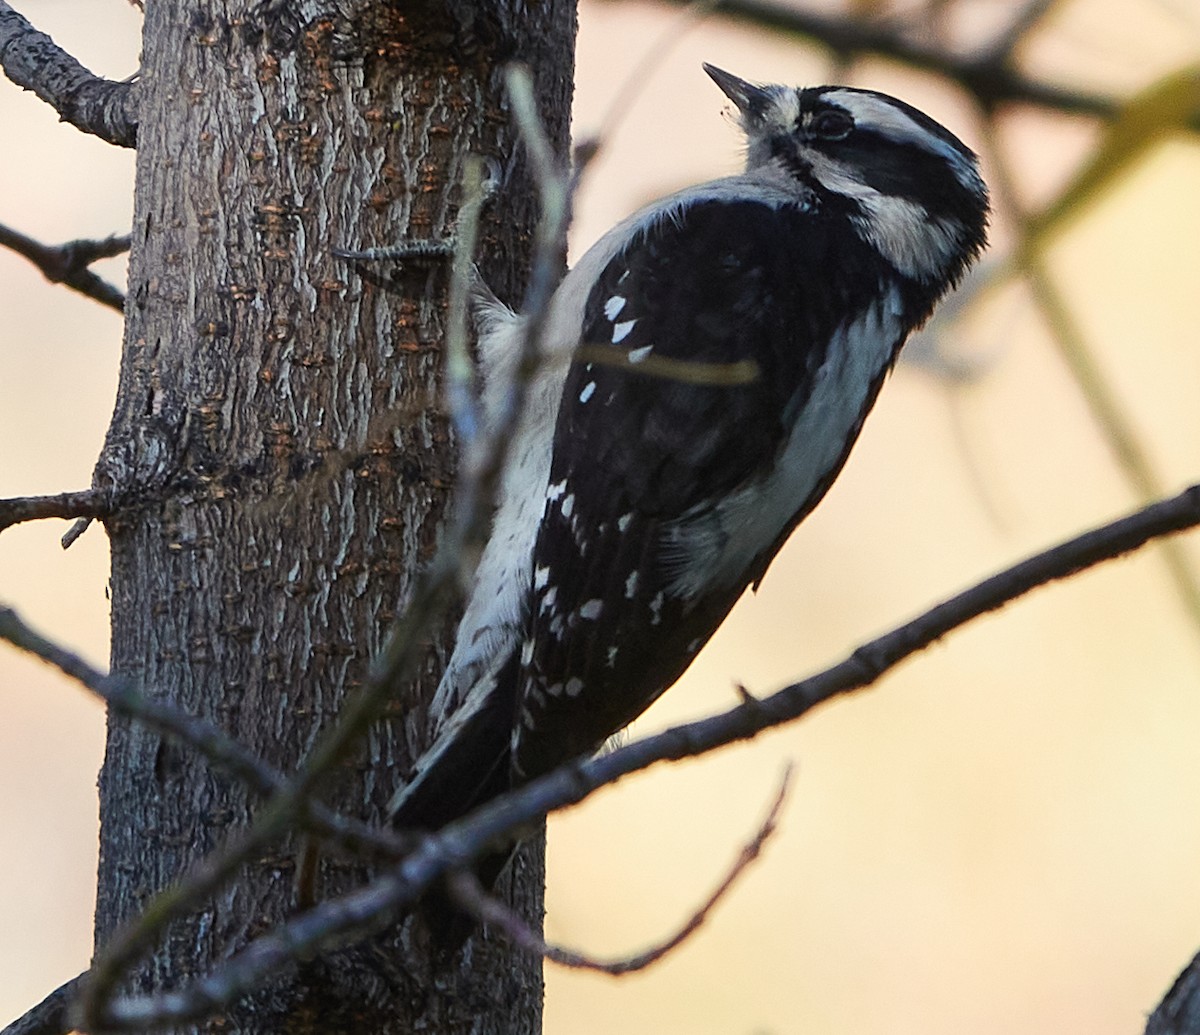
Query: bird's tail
[(468, 764)]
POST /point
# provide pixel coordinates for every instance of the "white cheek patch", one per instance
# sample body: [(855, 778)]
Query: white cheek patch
[(918, 245), (903, 231)]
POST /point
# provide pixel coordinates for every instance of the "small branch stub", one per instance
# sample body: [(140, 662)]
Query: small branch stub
[(85, 505)]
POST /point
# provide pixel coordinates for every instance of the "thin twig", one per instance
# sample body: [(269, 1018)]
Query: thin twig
[(373, 907), (87, 503), (210, 741), (78, 527), (483, 467), (1024, 22), (681, 371), (461, 395), (469, 893), (554, 190), (68, 263), (33, 61)]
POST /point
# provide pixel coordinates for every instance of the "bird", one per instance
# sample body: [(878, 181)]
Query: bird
[(704, 371)]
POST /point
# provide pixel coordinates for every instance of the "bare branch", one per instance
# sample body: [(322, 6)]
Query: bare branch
[(68, 263), (375, 906), (51, 1016), (988, 75), (469, 893), (87, 503), (78, 527), (286, 809), (33, 61), (210, 741)]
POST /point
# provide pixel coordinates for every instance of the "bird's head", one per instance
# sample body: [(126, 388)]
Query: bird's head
[(907, 184)]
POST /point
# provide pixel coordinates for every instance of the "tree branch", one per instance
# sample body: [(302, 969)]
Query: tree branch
[(33, 61), (85, 504), (373, 907), (467, 890), (68, 263), (209, 740), (988, 74)]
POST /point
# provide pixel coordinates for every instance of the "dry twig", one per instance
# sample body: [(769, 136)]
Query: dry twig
[(470, 894), (87, 504), (68, 263), (372, 908)]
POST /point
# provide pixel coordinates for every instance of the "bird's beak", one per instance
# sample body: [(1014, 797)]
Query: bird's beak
[(752, 101)]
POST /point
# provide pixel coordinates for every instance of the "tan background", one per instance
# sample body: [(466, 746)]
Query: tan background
[(1002, 837)]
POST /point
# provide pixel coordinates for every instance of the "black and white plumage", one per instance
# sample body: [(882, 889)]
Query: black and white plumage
[(708, 366)]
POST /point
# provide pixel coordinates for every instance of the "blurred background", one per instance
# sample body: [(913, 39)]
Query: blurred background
[(1003, 835)]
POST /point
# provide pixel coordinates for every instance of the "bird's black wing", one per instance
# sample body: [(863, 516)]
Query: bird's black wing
[(699, 340)]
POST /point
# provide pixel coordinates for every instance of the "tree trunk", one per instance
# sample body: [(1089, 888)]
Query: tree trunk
[(280, 456)]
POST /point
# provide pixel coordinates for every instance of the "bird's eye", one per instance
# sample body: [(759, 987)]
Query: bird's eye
[(831, 124)]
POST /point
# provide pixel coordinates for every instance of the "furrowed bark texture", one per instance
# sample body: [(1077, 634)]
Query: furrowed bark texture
[(279, 454)]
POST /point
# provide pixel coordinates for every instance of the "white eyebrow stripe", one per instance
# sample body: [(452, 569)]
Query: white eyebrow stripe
[(879, 115), (896, 124)]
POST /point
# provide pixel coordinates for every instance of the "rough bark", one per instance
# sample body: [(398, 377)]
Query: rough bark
[(279, 457)]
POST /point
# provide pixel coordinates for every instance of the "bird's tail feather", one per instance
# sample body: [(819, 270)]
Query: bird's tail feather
[(468, 764)]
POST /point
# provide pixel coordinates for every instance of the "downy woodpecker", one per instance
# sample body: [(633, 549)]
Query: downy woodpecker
[(706, 367)]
